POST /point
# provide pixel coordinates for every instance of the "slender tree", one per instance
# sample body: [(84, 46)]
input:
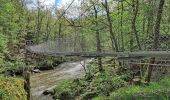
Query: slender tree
[(156, 37), (135, 7), (121, 24), (113, 37), (150, 18), (97, 35)]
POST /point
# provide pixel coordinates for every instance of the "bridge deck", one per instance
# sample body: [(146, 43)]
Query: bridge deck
[(103, 54)]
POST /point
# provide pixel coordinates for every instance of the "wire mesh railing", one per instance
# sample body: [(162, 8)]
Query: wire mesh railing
[(70, 45)]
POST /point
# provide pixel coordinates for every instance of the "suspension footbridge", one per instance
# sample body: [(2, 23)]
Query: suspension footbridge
[(66, 47)]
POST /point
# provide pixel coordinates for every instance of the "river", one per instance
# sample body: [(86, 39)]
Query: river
[(47, 80)]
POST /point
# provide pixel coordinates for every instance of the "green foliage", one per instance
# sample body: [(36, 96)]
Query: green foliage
[(12, 89), (16, 21), (11, 66), (3, 51), (107, 85), (92, 85), (3, 48), (100, 98), (155, 91), (3, 44), (9, 40), (106, 82), (63, 87)]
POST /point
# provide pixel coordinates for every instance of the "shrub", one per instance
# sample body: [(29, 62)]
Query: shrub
[(12, 89), (62, 89)]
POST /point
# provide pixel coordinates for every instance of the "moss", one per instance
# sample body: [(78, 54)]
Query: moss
[(12, 89)]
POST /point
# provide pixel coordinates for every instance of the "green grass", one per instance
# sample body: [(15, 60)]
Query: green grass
[(63, 85), (155, 91)]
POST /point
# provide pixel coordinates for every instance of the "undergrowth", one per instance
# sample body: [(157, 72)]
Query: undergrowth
[(12, 89), (111, 84), (92, 85), (154, 91)]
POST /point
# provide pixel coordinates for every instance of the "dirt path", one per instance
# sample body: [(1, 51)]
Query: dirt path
[(48, 79)]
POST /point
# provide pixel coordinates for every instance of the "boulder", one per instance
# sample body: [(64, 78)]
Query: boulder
[(36, 71), (49, 92), (136, 81)]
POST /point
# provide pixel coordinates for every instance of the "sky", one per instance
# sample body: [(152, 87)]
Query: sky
[(49, 3), (60, 4), (72, 12), (66, 2)]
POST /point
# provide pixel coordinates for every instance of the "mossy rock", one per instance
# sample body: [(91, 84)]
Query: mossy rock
[(12, 89)]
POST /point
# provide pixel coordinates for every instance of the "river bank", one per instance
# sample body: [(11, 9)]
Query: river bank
[(47, 80)]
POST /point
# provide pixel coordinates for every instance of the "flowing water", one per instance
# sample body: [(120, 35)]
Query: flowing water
[(47, 80)]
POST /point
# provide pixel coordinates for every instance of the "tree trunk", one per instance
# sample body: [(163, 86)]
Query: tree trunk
[(113, 38), (118, 26), (99, 50), (143, 31), (150, 18), (168, 11), (59, 37), (38, 22), (157, 25), (98, 38), (59, 30), (156, 36), (122, 7), (135, 7), (47, 27)]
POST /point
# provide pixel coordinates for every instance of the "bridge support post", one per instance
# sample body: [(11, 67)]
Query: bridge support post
[(26, 76), (26, 73), (84, 65)]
